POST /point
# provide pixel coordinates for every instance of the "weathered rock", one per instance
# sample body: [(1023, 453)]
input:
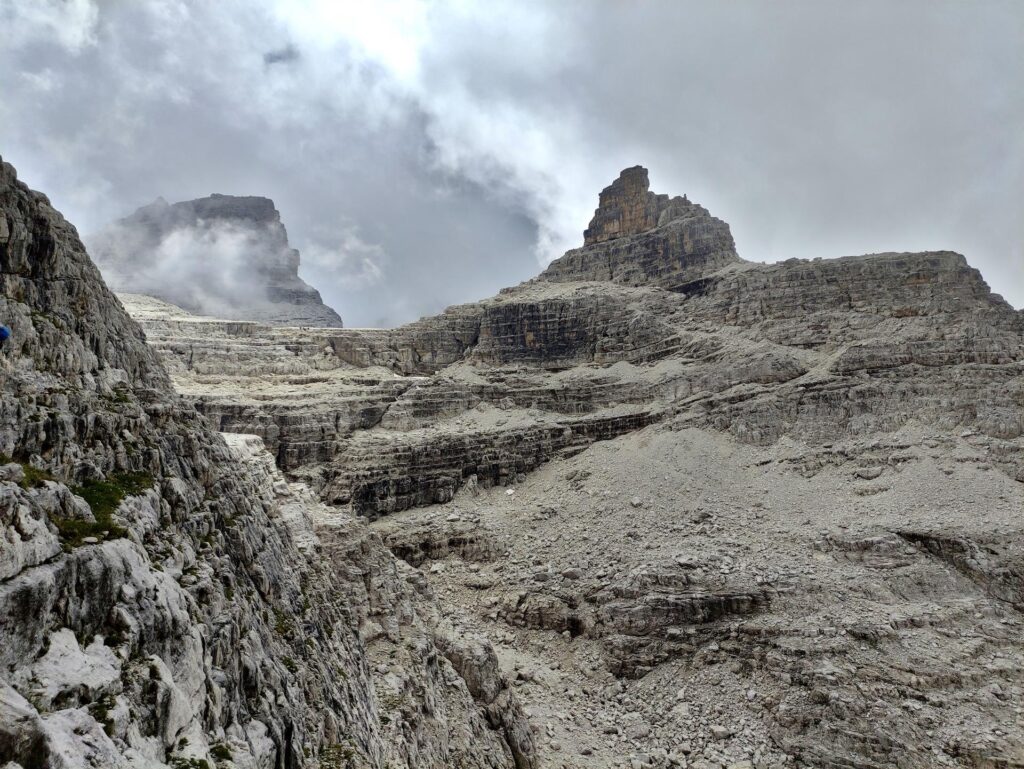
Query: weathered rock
[(890, 338), (474, 659), (166, 598), (997, 567), (731, 513), (639, 238), (435, 540)]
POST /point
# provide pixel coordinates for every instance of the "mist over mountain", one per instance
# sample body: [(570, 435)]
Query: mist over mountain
[(417, 164), (676, 421), (221, 255)]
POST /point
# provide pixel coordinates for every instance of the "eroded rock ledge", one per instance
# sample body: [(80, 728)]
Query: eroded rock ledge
[(708, 512), (655, 317)]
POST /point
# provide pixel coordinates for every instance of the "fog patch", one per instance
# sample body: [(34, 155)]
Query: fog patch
[(281, 56), (811, 128), (218, 268), (348, 263)]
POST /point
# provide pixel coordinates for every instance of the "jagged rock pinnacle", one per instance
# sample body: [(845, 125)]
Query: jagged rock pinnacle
[(638, 237), (626, 207)]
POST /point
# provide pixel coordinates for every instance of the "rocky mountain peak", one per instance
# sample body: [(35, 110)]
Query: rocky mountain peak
[(222, 255), (714, 513), (625, 207), (236, 208), (638, 237), (628, 207), (246, 207), (720, 513)]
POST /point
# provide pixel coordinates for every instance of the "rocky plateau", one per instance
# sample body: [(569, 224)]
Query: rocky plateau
[(657, 507)]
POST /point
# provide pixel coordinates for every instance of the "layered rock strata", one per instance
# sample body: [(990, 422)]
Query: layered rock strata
[(708, 512), (676, 598), (676, 323), (639, 238)]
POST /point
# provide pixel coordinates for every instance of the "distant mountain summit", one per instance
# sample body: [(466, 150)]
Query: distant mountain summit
[(222, 255), (628, 207), (638, 237)]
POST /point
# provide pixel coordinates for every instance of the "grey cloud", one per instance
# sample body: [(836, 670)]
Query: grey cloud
[(425, 156), (281, 55), (204, 269)]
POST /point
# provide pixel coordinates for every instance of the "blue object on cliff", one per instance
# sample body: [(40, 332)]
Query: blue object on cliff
[(5, 334)]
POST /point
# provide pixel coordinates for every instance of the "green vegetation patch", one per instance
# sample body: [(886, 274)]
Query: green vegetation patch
[(120, 395), (34, 477), (220, 752), (337, 756), (103, 497), (180, 762), (282, 624), (100, 710)]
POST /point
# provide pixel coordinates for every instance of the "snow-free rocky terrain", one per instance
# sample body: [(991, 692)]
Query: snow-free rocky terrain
[(166, 597), (657, 507)]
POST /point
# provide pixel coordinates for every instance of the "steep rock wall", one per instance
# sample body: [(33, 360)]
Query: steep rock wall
[(166, 599), (656, 312)]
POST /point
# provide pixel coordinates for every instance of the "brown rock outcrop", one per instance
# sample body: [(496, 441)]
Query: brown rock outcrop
[(639, 238)]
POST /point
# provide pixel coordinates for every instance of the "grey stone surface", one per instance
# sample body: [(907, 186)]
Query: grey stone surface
[(167, 599), (657, 507)]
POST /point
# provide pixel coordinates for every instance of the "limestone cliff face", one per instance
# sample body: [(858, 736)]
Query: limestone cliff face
[(655, 317), (220, 255), (625, 207), (166, 597)]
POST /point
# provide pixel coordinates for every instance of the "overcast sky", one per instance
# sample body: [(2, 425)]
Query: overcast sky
[(424, 154)]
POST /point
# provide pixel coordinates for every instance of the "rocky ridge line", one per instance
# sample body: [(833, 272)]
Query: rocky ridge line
[(795, 540), (681, 328)]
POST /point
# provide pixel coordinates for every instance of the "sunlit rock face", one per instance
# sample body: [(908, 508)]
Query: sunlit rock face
[(639, 238), (625, 207), (221, 255)]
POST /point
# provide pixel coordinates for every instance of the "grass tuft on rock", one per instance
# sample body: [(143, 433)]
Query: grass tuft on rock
[(34, 477), (220, 752), (103, 497)]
